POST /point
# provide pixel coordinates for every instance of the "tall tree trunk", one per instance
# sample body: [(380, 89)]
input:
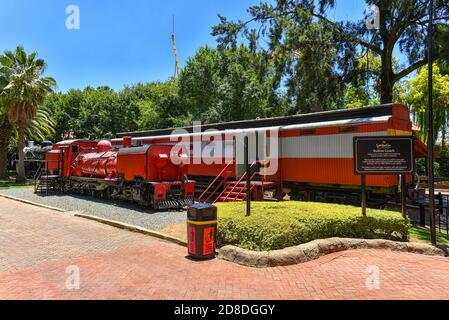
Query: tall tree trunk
[(387, 77), (21, 178), (5, 135)]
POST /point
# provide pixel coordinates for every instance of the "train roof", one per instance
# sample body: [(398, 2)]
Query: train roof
[(326, 116), (68, 142)]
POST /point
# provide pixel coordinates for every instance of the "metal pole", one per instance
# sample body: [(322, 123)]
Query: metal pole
[(403, 197), (248, 178), (422, 215), (440, 210), (433, 237), (363, 195)]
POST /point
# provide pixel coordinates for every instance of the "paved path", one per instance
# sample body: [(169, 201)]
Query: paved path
[(126, 212), (41, 251)]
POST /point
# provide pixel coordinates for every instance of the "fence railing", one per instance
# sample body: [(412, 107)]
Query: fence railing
[(441, 212)]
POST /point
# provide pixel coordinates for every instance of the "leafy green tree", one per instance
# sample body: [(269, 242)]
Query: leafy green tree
[(90, 113), (312, 80), (199, 82), (128, 99), (366, 89), (66, 113), (25, 90), (417, 97), (225, 85), (159, 106), (102, 113), (402, 26), (443, 161), (356, 97)]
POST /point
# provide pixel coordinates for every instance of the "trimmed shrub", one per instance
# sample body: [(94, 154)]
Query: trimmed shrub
[(277, 225)]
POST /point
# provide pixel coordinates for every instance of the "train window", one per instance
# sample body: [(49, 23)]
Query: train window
[(308, 131), (348, 129), (75, 149)]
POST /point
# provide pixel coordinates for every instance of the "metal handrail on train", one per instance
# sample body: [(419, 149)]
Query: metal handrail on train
[(38, 171), (37, 177), (226, 176), (253, 186), (263, 162)]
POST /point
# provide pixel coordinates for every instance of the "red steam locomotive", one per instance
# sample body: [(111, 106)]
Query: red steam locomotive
[(145, 174)]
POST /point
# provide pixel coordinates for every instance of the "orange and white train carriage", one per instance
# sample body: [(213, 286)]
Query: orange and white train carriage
[(315, 155)]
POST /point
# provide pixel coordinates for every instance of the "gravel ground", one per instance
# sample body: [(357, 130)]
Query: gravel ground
[(114, 210)]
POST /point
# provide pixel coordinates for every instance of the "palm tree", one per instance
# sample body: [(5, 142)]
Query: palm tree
[(5, 135), (25, 90), (39, 129), (5, 129)]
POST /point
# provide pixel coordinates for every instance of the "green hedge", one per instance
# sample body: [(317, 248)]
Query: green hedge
[(277, 225)]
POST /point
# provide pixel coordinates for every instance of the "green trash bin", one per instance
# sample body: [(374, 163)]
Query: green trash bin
[(201, 231)]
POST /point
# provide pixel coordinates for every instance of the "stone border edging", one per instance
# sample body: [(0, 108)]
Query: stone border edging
[(132, 228), (32, 203), (318, 248)]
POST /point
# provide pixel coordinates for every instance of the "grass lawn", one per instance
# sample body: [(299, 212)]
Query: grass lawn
[(276, 225), (8, 184), (423, 234)]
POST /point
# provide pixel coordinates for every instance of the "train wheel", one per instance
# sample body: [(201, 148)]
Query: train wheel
[(146, 195)]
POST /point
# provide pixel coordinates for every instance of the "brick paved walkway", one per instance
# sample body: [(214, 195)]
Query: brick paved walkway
[(37, 245)]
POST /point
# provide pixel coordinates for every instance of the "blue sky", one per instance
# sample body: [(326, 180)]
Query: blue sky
[(121, 42)]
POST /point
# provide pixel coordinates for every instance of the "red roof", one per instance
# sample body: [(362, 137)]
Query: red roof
[(421, 150)]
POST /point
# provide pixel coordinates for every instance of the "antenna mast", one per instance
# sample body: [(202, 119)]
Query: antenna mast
[(177, 67)]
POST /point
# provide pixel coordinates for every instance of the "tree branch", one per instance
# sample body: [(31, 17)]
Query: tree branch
[(352, 37), (405, 72), (426, 22), (338, 27)]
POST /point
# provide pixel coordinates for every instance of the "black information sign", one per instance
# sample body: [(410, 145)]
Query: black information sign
[(384, 155)]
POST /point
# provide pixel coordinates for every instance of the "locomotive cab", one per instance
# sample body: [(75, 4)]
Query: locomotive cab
[(165, 184)]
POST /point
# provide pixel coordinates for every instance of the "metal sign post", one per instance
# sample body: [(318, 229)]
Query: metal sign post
[(433, 236), (403, 196), (363, 195)]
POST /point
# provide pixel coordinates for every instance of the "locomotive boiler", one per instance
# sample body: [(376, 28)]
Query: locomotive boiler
[(146, 174), (99, 164)]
